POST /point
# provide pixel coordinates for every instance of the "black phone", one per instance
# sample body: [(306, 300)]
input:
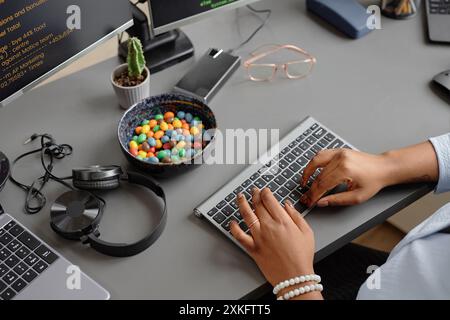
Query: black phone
[(208, 75)]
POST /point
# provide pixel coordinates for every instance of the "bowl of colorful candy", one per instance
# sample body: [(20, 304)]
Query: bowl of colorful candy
[(167, 134)]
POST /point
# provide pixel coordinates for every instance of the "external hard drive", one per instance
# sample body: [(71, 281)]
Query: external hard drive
[(210, 73)]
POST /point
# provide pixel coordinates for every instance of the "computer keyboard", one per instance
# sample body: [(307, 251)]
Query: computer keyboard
[(439, 6), (22, 259), (280, 173)]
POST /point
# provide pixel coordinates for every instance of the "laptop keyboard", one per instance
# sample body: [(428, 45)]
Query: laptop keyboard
[(22, 259), (439, 6), (281, 175)]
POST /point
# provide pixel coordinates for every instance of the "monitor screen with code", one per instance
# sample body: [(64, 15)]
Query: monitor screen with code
[(168, 11), (38, 36)]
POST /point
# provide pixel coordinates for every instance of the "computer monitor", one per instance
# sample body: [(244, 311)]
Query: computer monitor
[(164, 44), (40, 37), (169, 15)]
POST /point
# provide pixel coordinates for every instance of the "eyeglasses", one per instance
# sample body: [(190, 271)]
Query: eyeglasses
[(294, 69)]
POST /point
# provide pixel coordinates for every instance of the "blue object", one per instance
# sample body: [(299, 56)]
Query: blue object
[(349, 16), (181, 115), (188, 117), (153, 160), (165, 139), (151, 141)]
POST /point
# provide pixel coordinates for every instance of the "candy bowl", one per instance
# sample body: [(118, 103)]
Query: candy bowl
[(168, 134)]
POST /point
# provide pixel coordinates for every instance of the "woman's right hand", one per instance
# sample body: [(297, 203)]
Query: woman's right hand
[(364, 174)]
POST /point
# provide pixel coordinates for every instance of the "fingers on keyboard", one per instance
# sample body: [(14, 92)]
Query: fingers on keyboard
[(289, 175)]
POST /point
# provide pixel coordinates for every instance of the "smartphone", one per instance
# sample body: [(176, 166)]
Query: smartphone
[(208, 75)]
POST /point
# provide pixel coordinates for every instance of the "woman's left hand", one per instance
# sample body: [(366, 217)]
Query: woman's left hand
[(280, 241)]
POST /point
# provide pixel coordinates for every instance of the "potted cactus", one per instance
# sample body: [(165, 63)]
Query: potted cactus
[(131, 81)]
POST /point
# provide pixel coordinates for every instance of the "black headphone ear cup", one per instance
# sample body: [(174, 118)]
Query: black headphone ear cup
[(76, 214), (97, 185)]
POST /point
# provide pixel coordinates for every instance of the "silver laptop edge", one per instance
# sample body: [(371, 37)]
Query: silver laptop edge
[(59, 281)]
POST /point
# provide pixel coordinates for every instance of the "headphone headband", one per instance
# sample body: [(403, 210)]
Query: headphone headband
[(127, 250)]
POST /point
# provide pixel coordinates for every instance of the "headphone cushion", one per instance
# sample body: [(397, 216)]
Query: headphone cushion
[(97, 185)]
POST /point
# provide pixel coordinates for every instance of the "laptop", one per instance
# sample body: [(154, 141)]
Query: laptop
[(438, 15), (30, 269)]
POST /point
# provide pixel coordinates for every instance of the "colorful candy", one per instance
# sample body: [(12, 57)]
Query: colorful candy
[(133, 144), (181, 145), (142, 154), (177, 123), (145, 146), (141, 138), (145, 129), (151, 141), (168, 116), (158, 135), (164, 126), (161, 154), (181, 115), (188, 117), (134, 151), (153, 160), (167, 138)]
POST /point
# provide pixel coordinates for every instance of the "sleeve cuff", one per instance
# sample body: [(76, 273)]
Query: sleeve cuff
[(441, 146)]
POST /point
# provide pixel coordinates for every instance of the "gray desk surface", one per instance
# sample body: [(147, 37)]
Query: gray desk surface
[(375, 92)]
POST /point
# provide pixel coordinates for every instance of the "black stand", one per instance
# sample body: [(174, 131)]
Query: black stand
[(164, 50)]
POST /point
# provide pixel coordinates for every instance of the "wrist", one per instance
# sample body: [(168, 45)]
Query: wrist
[(302, 270), (390, 168)]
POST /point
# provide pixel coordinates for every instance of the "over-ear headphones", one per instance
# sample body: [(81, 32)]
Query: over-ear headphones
[(76, 214)]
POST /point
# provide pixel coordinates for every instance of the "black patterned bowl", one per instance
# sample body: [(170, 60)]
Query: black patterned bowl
[(160, 104)]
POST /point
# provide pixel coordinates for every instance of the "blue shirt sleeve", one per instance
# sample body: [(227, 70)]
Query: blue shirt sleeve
[(441, 146)]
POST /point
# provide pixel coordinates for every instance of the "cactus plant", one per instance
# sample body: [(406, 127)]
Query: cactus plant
[(136, 59), (131, 80)]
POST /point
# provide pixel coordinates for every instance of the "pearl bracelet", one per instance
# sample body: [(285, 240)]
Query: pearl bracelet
[(302, 290), (293, 281)]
